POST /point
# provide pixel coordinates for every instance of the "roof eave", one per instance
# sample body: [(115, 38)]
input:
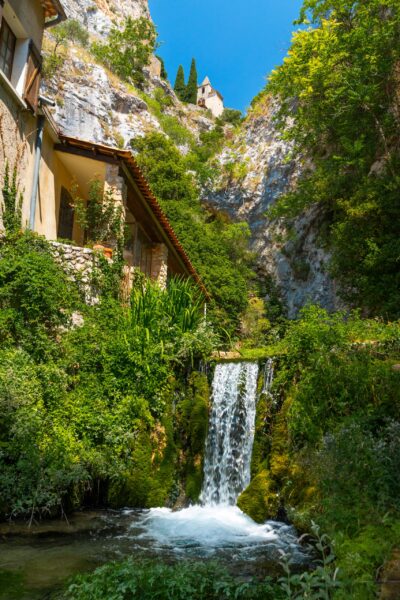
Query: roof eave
[(144, 189), (58, 16)]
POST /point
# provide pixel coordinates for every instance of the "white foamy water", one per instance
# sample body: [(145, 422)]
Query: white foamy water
[(217, 527), (213, 526), (223, 532), (231, 433)]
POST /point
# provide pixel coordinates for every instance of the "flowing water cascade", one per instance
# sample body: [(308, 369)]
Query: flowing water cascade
[(269, 369), (216, 526), (231, 433)]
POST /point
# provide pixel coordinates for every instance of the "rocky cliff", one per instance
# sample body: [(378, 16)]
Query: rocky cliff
[(290, 256), (98, 15), (93, 104)]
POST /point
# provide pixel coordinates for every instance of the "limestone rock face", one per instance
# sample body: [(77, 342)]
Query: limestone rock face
[(93, 104), (295, 260), (98, 15)]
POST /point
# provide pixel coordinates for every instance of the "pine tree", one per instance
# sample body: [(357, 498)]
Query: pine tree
[(191, 88), (180, 87)]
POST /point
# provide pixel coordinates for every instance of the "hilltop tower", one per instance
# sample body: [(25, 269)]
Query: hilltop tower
[(210, 98)]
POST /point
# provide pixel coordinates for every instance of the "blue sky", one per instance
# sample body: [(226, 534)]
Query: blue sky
[(235, 42)]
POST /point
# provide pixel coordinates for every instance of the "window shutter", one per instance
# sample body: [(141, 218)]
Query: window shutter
[(32, 82)]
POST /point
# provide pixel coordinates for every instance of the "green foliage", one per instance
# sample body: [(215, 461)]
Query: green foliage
[(192, 84), (180, 86), (100, 217), (183, 581), (319, 584), (128, 49), (340, 83), (258, 499), (192, 431), (207, 581), (217, 247), (232, 116), (70, 30), (36, 299), (90, 407), (12, 202)]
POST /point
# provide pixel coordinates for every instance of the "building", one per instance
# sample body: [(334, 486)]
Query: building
[(210, 98), (22, 24), (49, 164), (153, 246)]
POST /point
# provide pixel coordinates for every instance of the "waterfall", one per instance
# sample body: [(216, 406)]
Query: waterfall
[(216, 527), (268, 377), (231, 433)]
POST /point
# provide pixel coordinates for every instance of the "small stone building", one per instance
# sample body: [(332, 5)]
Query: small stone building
[(210, 98)]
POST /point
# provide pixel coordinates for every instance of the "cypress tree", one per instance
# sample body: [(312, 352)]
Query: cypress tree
[(191, 88), (179, 87)]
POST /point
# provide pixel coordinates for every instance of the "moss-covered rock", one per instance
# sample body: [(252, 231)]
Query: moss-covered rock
[(192, 414), (259, 500)]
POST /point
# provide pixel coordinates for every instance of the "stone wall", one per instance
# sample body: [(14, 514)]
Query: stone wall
[(79, 264), (159, 264)]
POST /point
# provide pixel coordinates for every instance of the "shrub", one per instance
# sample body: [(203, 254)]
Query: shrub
[(128, 49), (100, 217)]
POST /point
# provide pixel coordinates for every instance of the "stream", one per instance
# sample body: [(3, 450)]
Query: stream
[(36, 561)]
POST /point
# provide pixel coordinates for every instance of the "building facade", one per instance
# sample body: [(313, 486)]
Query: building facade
[(22, 24), (50, 166), (208, 97)]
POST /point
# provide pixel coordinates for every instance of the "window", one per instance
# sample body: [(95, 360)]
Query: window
[(65, 216), (7, 49), (31, 93), (204, 90)]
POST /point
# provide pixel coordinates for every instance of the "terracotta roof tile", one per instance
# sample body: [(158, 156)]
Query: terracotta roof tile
[(52, 8)]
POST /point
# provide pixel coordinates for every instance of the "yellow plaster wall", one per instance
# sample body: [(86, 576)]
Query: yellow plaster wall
[(46, 216), (30, 15)]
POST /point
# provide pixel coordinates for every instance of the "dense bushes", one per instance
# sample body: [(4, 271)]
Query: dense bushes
[(340, 84), (91, 402), (217, 247), (327, 442), (128, 49)]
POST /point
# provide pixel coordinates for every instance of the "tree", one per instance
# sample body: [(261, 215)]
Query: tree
[(191, 88), (339, 106), (128, 49), (180, 87), (70, 31)]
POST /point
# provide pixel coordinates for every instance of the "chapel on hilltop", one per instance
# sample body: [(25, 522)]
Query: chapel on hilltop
[(210, 98)]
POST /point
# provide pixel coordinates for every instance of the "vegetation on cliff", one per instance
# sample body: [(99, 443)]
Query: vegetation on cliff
[(340, 87), (217, 247)]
